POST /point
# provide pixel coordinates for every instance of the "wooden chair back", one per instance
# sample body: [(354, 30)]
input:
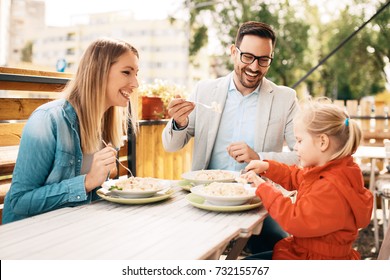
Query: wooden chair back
[(14, 112), (384, 251)]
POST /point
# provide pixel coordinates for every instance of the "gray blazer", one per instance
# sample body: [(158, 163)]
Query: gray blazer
[(277, 107)]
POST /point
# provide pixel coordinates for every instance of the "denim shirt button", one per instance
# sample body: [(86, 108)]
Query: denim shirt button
[(78, 197)]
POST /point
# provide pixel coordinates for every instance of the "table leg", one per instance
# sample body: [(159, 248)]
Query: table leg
[(237, 248)]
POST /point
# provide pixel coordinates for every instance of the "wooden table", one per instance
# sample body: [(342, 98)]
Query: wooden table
[(170, 229)]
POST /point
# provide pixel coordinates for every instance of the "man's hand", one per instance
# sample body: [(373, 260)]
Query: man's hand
[(241, 152), (179, 109)]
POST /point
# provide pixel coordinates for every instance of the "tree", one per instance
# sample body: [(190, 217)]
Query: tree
[(357, 69), (27, 52)]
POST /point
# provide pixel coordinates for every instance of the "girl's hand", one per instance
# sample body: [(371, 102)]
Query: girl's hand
[(251, 177), (258, 166), (103, 161)]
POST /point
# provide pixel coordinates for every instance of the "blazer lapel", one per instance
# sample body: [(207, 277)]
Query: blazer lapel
[(218, 95), (264, 106)]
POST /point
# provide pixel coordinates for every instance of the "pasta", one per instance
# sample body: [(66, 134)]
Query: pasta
[(210, 175), (225, 189), (138, 184)]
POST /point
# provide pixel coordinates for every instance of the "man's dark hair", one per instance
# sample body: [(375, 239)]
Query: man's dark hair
[(255, 28)]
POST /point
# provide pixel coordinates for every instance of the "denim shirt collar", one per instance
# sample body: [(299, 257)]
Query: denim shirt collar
[(71, 115)]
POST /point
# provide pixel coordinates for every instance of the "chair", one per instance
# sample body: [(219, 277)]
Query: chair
[(4, 188), (382, 191), (384, 252)]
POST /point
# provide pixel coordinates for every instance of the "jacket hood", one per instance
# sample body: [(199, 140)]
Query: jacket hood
[(347, 177)]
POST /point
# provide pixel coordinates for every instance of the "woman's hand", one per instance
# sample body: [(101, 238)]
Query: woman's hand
[(179, 109), (103, 161), (258, 166)]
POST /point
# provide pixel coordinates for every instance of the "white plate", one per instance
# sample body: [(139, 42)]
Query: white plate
[(134, 193), (159, 196), (190, 176), (186, 185), (201, 203), (224, 200)]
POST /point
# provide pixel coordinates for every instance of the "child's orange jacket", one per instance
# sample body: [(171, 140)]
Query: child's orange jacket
[(331, 205)]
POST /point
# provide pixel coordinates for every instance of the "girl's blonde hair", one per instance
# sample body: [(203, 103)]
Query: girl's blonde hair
[(87, 94), (320, 116)]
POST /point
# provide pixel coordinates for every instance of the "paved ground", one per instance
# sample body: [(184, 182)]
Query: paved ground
[(365, 244)]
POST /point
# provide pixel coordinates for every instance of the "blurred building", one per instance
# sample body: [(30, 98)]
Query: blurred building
[(18, 21), (163, 46)]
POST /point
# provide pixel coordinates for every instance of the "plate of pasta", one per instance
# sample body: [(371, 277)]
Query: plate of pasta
[(201, 203), (225, 194), (208, 176), (159, 196), (135, 187)]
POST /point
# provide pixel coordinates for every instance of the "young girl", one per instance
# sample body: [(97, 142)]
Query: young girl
[(62, 158), (332, 202)]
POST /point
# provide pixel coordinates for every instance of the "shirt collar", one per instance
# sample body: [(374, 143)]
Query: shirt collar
[(232, 87)]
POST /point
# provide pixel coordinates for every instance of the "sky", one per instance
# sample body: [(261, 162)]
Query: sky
[(59, 13)]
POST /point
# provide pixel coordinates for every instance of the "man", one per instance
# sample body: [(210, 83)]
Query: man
[(256, 117)]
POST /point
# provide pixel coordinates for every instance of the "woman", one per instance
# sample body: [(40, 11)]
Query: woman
[(62, 158)]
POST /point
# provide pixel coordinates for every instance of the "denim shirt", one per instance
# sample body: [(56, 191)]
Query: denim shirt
[(47, 170)]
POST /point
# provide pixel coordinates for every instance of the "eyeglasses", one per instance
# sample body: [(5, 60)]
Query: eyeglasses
[(248, 58)]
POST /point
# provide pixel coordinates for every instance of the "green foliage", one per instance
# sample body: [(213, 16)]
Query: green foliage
[(198, 40), (356, 70), (27, 52)]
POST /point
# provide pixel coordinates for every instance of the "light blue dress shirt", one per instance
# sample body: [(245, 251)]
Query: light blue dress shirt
[(237, 124)]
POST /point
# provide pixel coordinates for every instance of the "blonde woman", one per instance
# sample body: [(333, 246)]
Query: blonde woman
[(62, 158), (332, 202)]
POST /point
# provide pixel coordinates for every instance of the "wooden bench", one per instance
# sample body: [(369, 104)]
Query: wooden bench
[(15, 111)]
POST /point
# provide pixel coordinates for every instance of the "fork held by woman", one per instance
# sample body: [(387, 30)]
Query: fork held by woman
[(131, 173)]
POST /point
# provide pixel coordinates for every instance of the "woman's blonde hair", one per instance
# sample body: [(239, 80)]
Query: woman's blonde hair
[(87, 94), (320, 116)]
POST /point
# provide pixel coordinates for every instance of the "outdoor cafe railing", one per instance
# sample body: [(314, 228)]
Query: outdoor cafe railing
[(373, 118)]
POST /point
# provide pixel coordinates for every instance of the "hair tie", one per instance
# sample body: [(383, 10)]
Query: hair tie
[(346, 121)]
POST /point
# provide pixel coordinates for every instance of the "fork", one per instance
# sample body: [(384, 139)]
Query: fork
[(214, 106), (131, 173), (241, 180)]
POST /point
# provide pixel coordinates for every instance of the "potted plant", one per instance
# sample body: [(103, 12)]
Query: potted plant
[(155, 98)]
